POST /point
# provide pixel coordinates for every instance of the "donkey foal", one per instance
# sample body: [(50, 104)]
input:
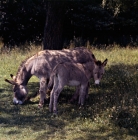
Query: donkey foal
[(73, 74)]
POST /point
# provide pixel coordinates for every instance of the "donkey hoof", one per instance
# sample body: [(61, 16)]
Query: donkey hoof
[(40, 105), (55, 113), (70, 101), (81, 107), (50, 110)]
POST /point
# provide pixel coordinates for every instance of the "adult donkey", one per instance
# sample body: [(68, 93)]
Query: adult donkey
[(41, 65), (74, 74)]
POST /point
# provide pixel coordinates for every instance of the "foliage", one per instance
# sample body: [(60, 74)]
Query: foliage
[(111, 112), (23, 20)]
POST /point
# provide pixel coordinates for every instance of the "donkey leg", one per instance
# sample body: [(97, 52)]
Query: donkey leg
[(83, 93), (54, 89), (87, 91), (55, 86), (75, 95), (51, 100), (42, 91), (56, 95)]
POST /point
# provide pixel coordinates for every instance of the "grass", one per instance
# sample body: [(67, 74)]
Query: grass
[(110, 113)]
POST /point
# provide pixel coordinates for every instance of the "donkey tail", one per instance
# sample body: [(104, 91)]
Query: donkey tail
[(51, 82), (52, 76)]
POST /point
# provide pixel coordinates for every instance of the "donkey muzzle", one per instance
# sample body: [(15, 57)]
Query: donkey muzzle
[(97, 82), (15, 101)]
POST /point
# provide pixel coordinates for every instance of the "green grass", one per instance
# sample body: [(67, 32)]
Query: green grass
[(110, 113)]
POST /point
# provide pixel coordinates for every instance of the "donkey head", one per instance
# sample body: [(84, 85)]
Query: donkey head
[(20, 91), (98, 70)]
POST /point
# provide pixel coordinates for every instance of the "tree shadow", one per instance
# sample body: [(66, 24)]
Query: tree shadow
[(117, 94)]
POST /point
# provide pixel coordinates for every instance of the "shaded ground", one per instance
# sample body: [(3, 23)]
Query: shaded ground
[(115, 100)]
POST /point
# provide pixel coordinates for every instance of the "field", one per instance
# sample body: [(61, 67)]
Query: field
[(110, 113)]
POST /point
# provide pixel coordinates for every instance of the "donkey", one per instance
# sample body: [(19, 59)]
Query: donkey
[(74, 74), (41, 66)]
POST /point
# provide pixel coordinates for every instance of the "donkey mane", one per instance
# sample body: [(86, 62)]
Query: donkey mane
[(22, 65), (20, 68), (27, 60)]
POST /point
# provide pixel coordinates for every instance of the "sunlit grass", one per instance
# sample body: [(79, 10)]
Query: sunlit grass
[(111, 112)]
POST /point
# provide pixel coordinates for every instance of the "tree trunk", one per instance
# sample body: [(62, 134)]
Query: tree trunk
[(54, 25)]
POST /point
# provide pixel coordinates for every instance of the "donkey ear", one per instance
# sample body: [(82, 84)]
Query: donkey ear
[(105, 62), (13, 77), (94, 57), (10, 81)]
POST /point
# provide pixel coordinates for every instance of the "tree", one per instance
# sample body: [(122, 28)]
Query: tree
[(54, 25), (22, 21), (56, 22)]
